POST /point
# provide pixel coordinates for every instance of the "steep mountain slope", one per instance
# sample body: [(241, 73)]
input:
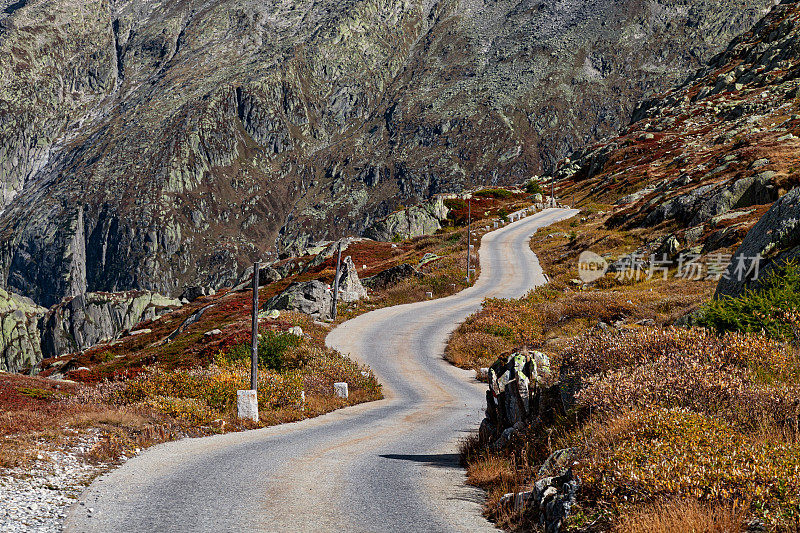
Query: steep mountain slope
[(151, 145), (703, 162)]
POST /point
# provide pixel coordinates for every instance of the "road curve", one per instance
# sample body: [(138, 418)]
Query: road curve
[(384, 466)]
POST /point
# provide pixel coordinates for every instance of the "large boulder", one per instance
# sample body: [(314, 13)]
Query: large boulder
[(391, 276), (423, 219), (350, 287), (194, 292), (20, 344), (311, 298), (776, 237), (83, 321)]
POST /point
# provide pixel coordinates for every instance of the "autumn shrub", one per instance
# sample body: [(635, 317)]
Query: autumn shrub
[(495, 193), (667, 452), (272, 348), (749, 380), (323, 367), (200, 395), (533, 187), (768, 309), (683, 514)]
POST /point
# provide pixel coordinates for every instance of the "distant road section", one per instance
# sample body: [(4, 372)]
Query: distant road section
[(390, 465)]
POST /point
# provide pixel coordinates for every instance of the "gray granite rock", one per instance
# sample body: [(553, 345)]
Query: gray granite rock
[(20, 342), (84, 321), (311, 297), (776, 237)]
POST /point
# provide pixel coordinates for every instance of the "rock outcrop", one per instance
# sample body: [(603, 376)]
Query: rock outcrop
[(391, 276), (517, 400), (775, 237), (195, 291), (703, 161), (350, 287), (415, 221), (313, 298), (550, 501), (20, 341), (266, 275), (157, 145), (84, 321)]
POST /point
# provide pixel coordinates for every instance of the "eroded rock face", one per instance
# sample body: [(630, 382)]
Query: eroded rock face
[(157, 145), (776, 237), (84, 321), (20, 343), (415, 221)]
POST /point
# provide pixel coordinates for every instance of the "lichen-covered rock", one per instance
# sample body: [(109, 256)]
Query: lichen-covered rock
[(549, 503), (391, 276), (311, 297), (350, 287), (84, 321), (776, 237), (20, 344), (424, 219)]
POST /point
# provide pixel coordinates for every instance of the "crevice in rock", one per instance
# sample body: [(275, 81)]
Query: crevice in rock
[(119, 52)]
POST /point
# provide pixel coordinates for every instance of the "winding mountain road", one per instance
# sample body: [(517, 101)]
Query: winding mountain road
[(390, 465)]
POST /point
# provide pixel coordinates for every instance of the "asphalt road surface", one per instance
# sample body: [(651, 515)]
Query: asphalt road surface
[(390, 465)]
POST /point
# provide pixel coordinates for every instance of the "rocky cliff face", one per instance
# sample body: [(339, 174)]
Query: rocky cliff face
[(20, 338), (153, 145), (84, 321)]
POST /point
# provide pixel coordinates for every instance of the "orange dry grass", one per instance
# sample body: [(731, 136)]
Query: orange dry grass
[(683, 516), (491, 471), (551, 314)]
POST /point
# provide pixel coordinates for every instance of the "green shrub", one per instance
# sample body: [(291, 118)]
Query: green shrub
[(504, 332), (272, 348), (455, 204), (767, 309), (503, 214), (533, 187), (494, 193)]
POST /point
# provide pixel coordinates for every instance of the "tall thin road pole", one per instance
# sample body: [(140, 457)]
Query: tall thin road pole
[(336, 281), (254, 339), (469, 236)]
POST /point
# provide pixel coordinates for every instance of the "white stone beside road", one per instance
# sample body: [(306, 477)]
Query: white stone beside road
[(37, 498), (247, 405)]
